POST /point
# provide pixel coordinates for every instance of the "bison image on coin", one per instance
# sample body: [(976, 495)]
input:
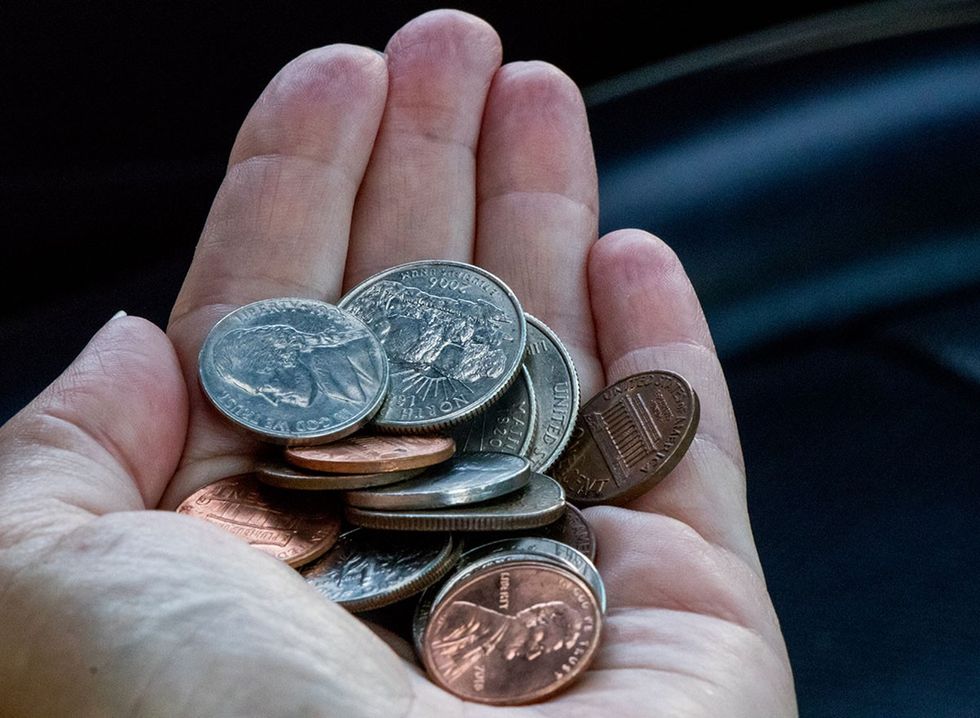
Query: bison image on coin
[(556, 393), (509, 426), (289, 526), (628, 438), (367, 570), (513, 633), (454, 335), (294, 371)]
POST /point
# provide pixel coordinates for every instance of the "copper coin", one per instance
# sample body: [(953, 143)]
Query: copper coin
[(512, 633), (570, 529), (370, 454), (290, 477), (541, 502), (628, 438), (367, 570), (285, 525)]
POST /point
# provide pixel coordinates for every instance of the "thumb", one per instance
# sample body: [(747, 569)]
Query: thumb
[(104, 436)]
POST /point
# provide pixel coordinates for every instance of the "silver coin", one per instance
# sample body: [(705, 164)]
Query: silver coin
[(539, 546), (541, 502), (367, 569), (507, 426), (454, 335), (571, 529), (464, 479), (294, 371), (556, 391), (290, 477)]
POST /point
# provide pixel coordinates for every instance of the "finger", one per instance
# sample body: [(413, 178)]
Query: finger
[(417, 200), (648, 317), (537, 200), (280, 222), (105, 436)]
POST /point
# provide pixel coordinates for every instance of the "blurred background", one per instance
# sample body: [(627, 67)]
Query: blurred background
[(816, 166)]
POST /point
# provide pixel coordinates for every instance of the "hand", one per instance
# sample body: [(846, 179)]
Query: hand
[(351, 162)]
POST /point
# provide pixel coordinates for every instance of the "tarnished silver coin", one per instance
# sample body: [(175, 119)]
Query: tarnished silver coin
[(290, 477), (464, 479), (454, 335), (367, 569), (508, 426), (556, 393), (294, 371), (538, 546), (571, 529), (540, 502)]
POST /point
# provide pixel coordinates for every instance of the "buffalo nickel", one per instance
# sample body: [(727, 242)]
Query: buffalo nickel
[(454, 335), (508, 426), (628, 438), (464, 479), (367, 570), (556, 392), (294, 371), (540, 502)]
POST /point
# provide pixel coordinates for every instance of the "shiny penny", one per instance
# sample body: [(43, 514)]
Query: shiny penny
[(290, 477), (454, 335), (464, 479), (368, 569), (571, 529), (511, 634), (628, 438), (556, 392), (372, 453), (541, 502), (294, 371), (509, 426), (289, 526)]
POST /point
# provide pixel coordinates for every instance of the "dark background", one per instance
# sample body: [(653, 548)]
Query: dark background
[(815, 167)]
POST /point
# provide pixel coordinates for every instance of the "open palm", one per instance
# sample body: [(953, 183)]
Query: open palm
[(351, 162)]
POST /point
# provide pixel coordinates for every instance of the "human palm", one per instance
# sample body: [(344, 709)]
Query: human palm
[(351, 162)]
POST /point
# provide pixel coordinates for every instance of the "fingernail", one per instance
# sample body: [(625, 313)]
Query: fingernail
[(118, 314)]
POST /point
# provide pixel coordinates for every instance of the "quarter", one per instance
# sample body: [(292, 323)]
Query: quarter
[(509, 426)]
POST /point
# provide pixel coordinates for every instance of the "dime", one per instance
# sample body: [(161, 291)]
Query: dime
[(513, 633), (540, 502), (367, 570), (556, 392), (294, 371), (454, 335), (571, 529), (544, 548), (508, 426), (628, 438), (292, 528), (371, 454), (464, 479), (289, 477)]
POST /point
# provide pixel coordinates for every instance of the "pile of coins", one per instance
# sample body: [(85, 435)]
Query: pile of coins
[(418, 422)]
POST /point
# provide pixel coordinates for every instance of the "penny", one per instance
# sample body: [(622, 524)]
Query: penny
[(464, 479), (545, 548), (454, 335), (628, 438), (289, 477), (556, 392), (367, 570), (371, 454), (285, 525), (294, 371), (571, 529), (540, 502), (508, 426), (512, 634)]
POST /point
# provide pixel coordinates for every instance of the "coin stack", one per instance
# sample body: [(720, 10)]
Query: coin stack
[(419, 420)]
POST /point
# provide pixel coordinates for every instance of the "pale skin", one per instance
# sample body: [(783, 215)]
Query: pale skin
[(350, 162)]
